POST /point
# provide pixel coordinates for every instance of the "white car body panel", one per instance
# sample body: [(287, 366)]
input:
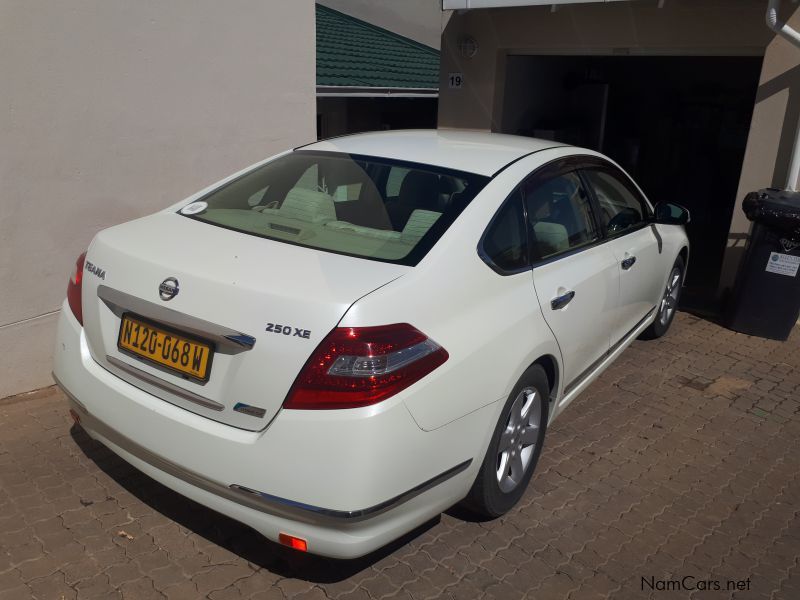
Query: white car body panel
[(469, 151), (347, 480), (583, 327), (640, 286)]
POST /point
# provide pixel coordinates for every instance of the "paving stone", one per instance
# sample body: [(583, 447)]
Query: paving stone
[(220, 577), (185, 590), (52, 586), (121, 573), (97, 586), (140, 588), (16, 593), (10, 579)]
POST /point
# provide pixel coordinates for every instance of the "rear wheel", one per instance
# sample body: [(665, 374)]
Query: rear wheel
[(514, 448), (669, 303)]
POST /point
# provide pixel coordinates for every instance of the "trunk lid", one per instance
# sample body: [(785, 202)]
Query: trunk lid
[(234, 291)]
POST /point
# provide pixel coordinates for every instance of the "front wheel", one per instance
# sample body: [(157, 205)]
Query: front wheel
[(669, 303), (514, 448)]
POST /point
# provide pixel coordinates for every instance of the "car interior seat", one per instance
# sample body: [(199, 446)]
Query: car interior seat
[(419, 190), (305, 205), (551, 210)]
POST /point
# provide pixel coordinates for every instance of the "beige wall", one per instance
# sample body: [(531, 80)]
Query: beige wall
[(420, 20), (111, 109)]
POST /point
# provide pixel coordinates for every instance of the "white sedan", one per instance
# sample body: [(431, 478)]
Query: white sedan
[(340, 342)]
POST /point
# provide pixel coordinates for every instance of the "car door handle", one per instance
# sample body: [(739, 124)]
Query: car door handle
[(562, 301), (628, 262)]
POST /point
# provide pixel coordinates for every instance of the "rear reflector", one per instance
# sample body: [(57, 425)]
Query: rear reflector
[(359, 366), (74, 288), (293, 542), (75, 416)]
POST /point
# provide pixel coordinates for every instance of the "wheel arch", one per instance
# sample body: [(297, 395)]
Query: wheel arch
[(684, 254), (549, 363)]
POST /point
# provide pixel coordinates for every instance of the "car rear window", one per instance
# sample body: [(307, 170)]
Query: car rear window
[(363, 206)]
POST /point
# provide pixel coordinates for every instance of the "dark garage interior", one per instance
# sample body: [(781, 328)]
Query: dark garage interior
[(678, 125), (342, 115)]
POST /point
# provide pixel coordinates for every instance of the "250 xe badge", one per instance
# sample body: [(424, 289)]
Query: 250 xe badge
[(287, 330)]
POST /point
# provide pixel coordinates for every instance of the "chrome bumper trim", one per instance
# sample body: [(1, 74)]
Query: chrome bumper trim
[(164, 385), (364, 513), (260, 501)]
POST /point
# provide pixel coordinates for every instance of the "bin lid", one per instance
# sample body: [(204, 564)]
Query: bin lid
[(779, 209)]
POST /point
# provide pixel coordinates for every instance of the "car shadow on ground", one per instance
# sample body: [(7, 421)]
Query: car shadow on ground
[(227, 533)]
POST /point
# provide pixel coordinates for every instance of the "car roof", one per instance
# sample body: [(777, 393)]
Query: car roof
[(478, 152)]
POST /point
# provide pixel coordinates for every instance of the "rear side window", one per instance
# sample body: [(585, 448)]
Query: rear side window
[(620, 208), (560, 215), (505, 244), (363, 206)]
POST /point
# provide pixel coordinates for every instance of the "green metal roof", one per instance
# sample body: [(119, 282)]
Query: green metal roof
[(354, 53)]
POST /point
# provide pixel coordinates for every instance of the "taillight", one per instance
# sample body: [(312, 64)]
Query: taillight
[(293, 542), (74, 289), (359, 366)]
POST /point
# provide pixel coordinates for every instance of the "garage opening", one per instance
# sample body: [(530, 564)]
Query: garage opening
[(343, 115), (678, 125)]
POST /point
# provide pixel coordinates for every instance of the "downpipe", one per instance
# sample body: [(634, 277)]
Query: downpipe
[(791, 35)]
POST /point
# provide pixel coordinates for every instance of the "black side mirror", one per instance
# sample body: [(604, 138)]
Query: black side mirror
[(667, 213)]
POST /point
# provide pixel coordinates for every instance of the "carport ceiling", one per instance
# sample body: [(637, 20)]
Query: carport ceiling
[(466, 4)]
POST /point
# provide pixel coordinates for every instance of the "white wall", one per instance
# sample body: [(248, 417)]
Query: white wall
[(111, 109), (420, 20)]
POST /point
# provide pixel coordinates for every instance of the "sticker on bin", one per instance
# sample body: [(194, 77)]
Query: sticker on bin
[(783, 264)]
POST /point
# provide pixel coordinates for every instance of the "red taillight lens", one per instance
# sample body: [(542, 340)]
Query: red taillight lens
[(74, 289), (359, 366), (293, 542)]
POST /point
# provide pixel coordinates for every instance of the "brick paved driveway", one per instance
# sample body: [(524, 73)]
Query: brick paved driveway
[(682, 460)]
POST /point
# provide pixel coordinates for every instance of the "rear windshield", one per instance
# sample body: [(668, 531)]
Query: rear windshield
[(361, 206)]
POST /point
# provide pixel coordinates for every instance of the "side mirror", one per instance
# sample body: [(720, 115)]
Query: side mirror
[(667, 213)]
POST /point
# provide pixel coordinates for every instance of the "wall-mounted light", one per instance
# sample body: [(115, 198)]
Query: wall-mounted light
[(467, 46)]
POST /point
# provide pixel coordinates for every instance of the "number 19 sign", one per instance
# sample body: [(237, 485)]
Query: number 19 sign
[(456, 80)]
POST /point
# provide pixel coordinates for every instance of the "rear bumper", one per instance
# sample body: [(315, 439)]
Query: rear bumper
[(346, 481)]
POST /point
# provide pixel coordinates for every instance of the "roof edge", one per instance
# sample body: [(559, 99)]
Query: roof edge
[(375, 91), (369, 25)]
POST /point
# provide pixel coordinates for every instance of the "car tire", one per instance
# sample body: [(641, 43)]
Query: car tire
[(668, 305), (505, 472)]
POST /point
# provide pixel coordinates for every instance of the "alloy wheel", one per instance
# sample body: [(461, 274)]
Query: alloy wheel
[(670, 300), (518, 439)]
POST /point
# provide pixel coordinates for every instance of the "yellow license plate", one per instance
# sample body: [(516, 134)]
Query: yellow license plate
[(170, 349)]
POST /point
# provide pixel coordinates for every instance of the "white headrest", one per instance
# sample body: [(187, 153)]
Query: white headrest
[(308, 205)]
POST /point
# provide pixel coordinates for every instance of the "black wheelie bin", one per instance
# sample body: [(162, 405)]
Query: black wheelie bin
[(766, 297)]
